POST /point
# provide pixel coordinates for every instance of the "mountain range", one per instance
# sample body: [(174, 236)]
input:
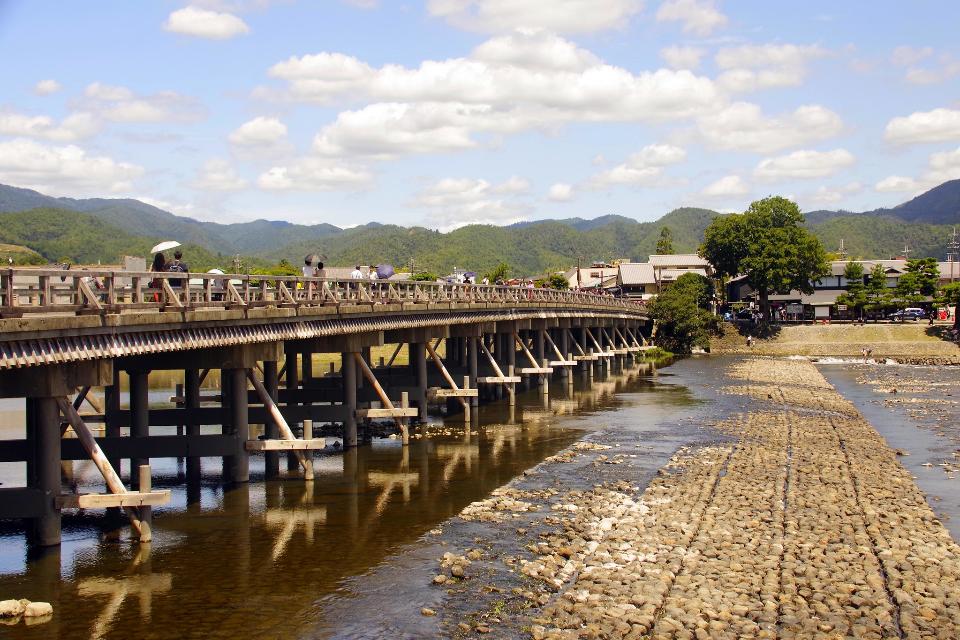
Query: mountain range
[(99, 229)]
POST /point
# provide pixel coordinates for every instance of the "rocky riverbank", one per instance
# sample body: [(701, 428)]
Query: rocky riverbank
[(800, 524)]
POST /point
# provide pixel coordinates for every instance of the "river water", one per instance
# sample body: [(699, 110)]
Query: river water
[(286, 558)]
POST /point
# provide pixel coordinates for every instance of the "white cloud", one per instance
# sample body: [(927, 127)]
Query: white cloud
[(72, 128), (62, 169), (560, 192), (528, 80), (561, 16), (944, 166), (201, 23), (678, 57), (387, 129), (897, 183), (457, 202), (699, 17), (218, 175), (941, 167), (314, 174), (743, 127), (944, 69), (121, 104), (507, 73), (726, 186), (753, 67), (937, 125), (259, 132), (46, 87), (905, 55), (833, 195), (642, 168), (535, 49), (512, 185), (804, 164)]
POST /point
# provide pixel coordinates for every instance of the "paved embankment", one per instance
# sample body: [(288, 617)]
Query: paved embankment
[(803, 526), (911, 343)]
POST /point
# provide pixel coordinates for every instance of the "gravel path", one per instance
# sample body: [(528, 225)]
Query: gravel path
[(805, 527)]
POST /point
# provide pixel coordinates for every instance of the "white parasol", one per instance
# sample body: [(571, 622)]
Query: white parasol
[(163, 246)]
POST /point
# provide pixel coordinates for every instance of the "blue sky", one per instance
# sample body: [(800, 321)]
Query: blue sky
[(448, 112)]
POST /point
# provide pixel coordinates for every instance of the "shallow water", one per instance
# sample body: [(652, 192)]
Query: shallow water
[(922, 419), (282, 558)]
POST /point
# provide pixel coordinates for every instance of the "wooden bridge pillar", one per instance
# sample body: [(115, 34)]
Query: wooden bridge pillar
[(348, 371), (473, 367), (191, 401), (139, 417), (111, 401), (538, 354), (236, 467), (418, 361), (271, 459), (44, 473)]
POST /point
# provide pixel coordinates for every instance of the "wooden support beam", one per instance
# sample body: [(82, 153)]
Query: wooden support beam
[(436, 393), (286, 432), (372, 379), (533, 361), (499, 379), (601, 352), (395, 352), (561, 358), (287, 445), (576, 343), (106, 500), (114, 484), (446, 376), (387, 413)]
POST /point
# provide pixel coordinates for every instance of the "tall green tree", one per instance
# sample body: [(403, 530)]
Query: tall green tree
[(681, 314), (769, 245), (856, 294), (919, 281), (665, 242), (879, 296)]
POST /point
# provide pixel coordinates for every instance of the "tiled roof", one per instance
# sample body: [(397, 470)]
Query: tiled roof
[(678, 260), (636, 273)]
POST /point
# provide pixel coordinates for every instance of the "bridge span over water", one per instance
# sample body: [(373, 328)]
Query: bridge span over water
[(67, 335)]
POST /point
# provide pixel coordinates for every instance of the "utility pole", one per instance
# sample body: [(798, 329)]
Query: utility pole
[(906, 251), (578, 272), (842, 252), (953, 247)]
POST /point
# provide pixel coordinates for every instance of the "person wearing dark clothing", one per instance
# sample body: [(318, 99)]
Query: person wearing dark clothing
[(177, 265), (159, 265)]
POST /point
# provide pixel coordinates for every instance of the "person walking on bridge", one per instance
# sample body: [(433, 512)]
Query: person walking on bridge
[(177, 265), (159, 265)]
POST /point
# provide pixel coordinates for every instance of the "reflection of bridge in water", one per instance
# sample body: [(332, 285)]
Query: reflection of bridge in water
[(64, 336)]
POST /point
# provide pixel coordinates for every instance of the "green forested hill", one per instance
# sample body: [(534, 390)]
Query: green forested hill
[(65, 235), (103, 229)]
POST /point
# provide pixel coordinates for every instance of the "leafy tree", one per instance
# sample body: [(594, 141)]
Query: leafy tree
[(681, 314), (424, 276), (878, 295), (665, 242), (919, 281), (856, 294), (555, 281), (769, 245), (498, 272)]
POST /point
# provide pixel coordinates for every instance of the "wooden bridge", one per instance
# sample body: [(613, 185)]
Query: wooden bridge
[(66, 334)]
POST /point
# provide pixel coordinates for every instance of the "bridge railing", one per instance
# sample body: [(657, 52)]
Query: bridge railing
[(31, 291)]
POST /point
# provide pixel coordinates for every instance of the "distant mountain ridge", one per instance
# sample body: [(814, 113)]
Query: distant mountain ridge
[(533, 247)]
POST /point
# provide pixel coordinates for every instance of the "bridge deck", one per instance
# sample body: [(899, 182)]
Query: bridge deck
[(49, 316)]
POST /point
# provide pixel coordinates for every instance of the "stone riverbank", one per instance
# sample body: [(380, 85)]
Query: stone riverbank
[(802, 525)]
